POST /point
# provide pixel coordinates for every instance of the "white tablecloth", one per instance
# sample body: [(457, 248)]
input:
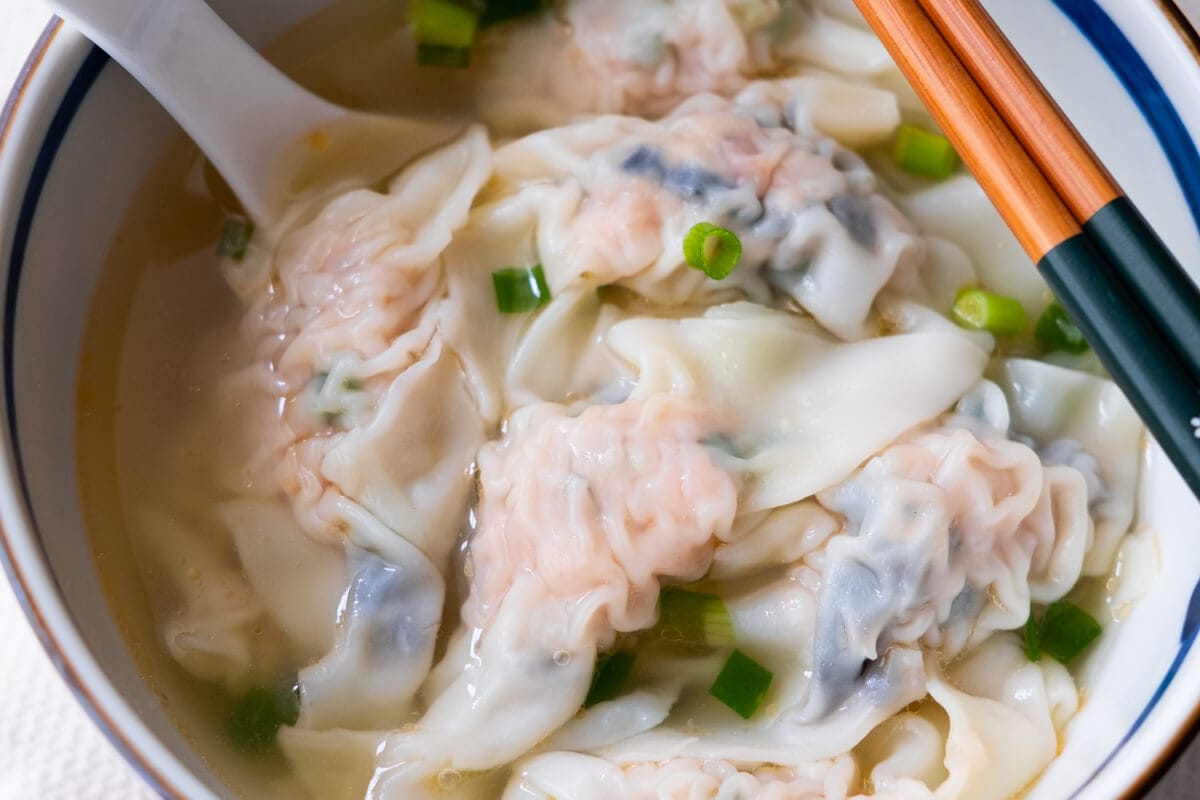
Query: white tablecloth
[(49, 750)]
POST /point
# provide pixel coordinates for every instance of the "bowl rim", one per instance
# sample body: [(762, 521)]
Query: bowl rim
[(51, 41)]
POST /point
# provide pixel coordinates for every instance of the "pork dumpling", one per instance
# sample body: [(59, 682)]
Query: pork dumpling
[(580, 518)]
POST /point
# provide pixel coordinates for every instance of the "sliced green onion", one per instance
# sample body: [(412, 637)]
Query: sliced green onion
[(258, 715), (1033, 638), (352, 385), (1057, 332), (987, 311), (520, 290), (1066, 631), (498, 11), (742, 684), (444, 23), (436, 55), (924, 153), (712, 250), (612, 670), (694, 618), (235, 238)]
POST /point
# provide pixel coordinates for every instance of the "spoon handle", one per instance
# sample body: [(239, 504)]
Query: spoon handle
[(238, 108)]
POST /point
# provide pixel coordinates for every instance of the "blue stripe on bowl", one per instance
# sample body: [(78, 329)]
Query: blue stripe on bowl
[(1095, 25), (1145, 90), (72, 100)]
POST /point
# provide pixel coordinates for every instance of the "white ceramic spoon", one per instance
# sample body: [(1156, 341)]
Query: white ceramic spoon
[(265, 134)]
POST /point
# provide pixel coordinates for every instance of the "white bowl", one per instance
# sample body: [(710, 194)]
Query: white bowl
[(77, 137)]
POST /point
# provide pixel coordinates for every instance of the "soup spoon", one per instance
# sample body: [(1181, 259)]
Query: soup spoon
[(265, 134)]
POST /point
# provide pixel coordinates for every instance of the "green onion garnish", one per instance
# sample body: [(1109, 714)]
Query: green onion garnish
[(742, 684), (924, 153), (694, 618), (987, 311), (444, 23), (498, 11), (352, 385), (235, 238), (259, 714), (612, 670), (436, 55), (1033, 638), (1066, 630), (1056, 331), (712, 250), (520, 290)]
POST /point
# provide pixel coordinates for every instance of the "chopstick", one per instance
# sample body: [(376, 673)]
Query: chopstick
[(1142, 358), (1096, 200)]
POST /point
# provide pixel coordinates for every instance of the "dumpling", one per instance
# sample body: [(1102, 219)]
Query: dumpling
[(387, 629), (573, 776), (579, 519), (1005, 713), (210, 628), (945, 538), (1083, 421), (623, 56), (410, 464), (298, 578), (345, 308), (807, 410), (617, 195), (948, 539)]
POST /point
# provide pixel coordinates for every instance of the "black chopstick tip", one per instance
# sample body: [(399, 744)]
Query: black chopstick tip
[(1136, 351), (1147, 266)]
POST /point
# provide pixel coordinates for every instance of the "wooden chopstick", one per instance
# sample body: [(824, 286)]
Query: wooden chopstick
[(1135, 349), (1082, 181), (1095, 198), (1016, 185)]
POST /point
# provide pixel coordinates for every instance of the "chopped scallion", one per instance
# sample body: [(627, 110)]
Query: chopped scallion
[(498, 11), (612, 670), (987, 311), (742, 684), (352, 385), (712, 250), (258, 715), (235, 238), (1066, 630), (436, 55), (444, 23), (1033, 638), (1056, 331), (520, 290), (924, 153), (694, 618)]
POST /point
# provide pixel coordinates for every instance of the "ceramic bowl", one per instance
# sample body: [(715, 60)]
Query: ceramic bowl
[(78, 135)]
